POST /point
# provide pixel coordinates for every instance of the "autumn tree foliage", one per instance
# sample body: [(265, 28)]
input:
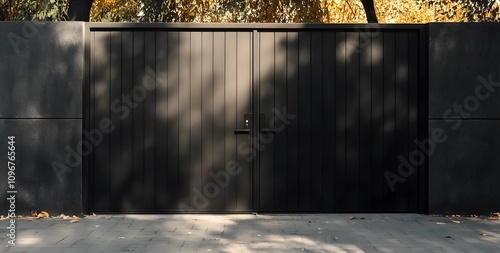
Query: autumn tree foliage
[(50, 10), (282, 11)]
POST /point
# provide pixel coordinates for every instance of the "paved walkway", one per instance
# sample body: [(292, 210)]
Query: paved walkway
[(256, 233)]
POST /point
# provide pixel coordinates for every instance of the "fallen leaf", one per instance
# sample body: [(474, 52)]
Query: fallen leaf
[(75, 219), (93, 214), (352, 218), (456, 221), (34, 214), (483, 234), (43, 214)]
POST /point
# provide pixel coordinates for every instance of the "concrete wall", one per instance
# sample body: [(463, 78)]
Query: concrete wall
[(42, 73), (464, 101)]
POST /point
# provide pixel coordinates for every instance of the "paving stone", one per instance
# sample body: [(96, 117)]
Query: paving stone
[(258, 233)]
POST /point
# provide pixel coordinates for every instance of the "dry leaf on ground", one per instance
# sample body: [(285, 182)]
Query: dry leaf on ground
[(64, 217), (43, 214), (75, 219)]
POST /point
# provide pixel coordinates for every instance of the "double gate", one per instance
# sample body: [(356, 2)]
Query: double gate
[(266, 118)]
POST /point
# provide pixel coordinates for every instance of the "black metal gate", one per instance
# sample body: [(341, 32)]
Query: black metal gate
[(241, 118)]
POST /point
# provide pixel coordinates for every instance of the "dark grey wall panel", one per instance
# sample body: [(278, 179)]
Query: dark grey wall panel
[(459, 54), (42, 69), (464, 78), (38, 144), (463, 171), (42, 75)]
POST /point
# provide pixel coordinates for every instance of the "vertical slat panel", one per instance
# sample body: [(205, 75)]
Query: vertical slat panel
[(304, 117), (413, 84), (365, 124), (161, 123), (138, 122), (210, 187), (147, 83), (377, 128), (265, 145), (244, 106), (422, 118), (189, 198), (340, 122), (127, 119), (292, 129), (102, 99), (230, 115), (116, 174), (91, 117), (196, 125), (328, 116), (173, 122), (401, 113), (219, 115), (389, 115), (352, 120), (316, 122), (280, 176)]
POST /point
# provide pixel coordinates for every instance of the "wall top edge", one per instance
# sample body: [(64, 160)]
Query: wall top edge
[(247, 26)]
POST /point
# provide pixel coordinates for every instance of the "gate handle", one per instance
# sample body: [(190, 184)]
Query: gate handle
[(241, 131)]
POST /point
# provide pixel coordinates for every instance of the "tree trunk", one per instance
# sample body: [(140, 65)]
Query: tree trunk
[(79, 10), (371, 16)]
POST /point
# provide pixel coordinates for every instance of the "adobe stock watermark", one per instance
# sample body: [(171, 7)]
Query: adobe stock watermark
[(221, 179), (453, 116), (19, 41), (94, 137), (11, 189)]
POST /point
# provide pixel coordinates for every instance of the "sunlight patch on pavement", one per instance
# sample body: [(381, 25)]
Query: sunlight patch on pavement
[(28, 241)]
